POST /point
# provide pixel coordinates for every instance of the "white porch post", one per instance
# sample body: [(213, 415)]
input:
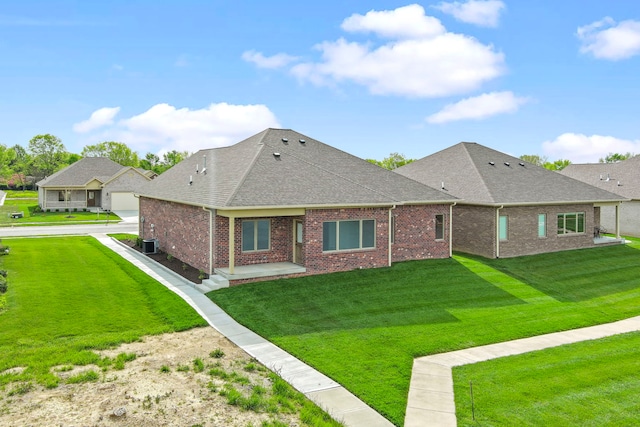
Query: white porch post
[(618, 220), (232, 249)]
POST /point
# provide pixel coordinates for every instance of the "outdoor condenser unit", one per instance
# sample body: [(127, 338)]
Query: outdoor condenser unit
[(150, 246)]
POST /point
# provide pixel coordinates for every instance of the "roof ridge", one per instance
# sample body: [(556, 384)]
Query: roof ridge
[(476, 170), (245, 174)]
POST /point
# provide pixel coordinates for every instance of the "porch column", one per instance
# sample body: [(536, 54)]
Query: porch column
[(618, 220), (232, 249)]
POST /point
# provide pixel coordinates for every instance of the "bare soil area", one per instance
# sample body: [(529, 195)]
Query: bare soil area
[(161, 387)]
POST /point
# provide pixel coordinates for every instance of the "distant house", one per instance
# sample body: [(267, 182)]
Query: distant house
[(93, 183), (282, 204), (510, 207), (622, 178)]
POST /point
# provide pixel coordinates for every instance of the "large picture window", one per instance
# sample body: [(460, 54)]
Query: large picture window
[(439, 227), (571, 223), (347, 235), (256, 235)]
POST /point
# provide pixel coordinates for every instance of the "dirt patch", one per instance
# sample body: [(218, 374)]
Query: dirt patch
[(161, 387), (174, 264)]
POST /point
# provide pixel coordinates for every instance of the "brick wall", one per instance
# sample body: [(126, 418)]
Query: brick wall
[(474, 230), (415, 233), (181, 230)]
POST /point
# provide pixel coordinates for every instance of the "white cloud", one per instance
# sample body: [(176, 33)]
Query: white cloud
[(485, 13), (580, 148), (479, 107), (426, 62), (164, 127), (276, 61), (605, 39), (402, 23), (99, 118)]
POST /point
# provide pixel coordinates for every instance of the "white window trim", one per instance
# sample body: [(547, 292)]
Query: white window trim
[(255, 235), (572, 233)]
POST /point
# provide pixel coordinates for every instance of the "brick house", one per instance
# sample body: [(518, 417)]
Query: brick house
[(93, 183), (621, 178), (510, 207), (281, 204)]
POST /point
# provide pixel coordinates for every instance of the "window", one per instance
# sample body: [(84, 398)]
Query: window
[(503, 227), (346, 235), (571, 223), (439, 227), (542, 225), (62, 195), (255, 235)]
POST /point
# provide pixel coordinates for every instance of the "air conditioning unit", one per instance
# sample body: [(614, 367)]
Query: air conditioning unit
[(150, 246)]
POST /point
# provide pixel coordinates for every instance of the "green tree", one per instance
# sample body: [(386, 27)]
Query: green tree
[(534, 159), (48, 153), (615, 157), (116, 151), (394, 161), (150, 162), (171, 159), (7, 158), (557, 165)]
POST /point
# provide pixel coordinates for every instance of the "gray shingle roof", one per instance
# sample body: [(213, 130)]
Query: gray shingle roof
[(82, 172), (622, 178), (467, 173), (301, 174)]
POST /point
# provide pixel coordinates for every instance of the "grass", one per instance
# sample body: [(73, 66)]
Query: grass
[(364, 328), (27, 203), (592, 383), (70, 296)]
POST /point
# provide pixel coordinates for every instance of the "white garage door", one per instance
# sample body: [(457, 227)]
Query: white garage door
[(124, 202)]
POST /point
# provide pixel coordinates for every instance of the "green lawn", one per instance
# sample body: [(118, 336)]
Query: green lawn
[(364, 328), (593, 383), (32, 216), (69, 296)]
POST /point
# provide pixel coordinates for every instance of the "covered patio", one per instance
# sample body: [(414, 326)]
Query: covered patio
[(260, 270)]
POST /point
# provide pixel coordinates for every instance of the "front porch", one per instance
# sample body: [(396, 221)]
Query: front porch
[(253, 271)]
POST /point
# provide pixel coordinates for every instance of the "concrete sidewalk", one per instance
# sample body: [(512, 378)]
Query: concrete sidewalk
[(326, 393), (431, 400)]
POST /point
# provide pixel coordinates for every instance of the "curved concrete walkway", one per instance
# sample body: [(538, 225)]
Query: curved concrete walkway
[(431, 401), (323, 391)]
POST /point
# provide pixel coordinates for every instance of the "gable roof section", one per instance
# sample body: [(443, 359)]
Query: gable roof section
[(467, 172), (622, 178), (275, 169), (80, 173)]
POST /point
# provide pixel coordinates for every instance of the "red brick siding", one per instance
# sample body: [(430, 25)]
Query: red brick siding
[(181, 230), (474, 230), (415, 233), (317, 261)]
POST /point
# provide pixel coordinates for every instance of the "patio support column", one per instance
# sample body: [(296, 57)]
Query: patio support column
[(618, 220), (232, 249)]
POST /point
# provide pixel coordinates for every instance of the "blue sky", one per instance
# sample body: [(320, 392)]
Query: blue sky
[(554, 78)]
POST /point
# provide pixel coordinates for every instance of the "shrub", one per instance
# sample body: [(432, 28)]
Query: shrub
[(169, 257), (3, 273), (202, 275), (217, 353), (3, 285), (198, 365)]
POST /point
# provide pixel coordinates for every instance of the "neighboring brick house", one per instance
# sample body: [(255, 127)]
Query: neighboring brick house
[(282, 204), (510, 207), (622, 178), (93, 183)]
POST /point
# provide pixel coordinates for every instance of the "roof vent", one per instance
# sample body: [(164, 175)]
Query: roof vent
[(521, 164), (277, 155), (197, 171), (619, 185), (285, 140), (442, 186), (302, 141), (492, 163), (600, 177), (507, 164), (190, 179)]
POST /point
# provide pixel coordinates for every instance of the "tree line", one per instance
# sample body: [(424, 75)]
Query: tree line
[(21, 167), (395, 160)]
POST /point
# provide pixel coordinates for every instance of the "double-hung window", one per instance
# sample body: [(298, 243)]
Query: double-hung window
[(256, 235), (348, 235), (571, 223), (503, 227), (542, 225)]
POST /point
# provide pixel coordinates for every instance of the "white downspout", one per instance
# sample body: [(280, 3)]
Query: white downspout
[(498, 231), (451, 229), (618, 220), (390, 232)]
